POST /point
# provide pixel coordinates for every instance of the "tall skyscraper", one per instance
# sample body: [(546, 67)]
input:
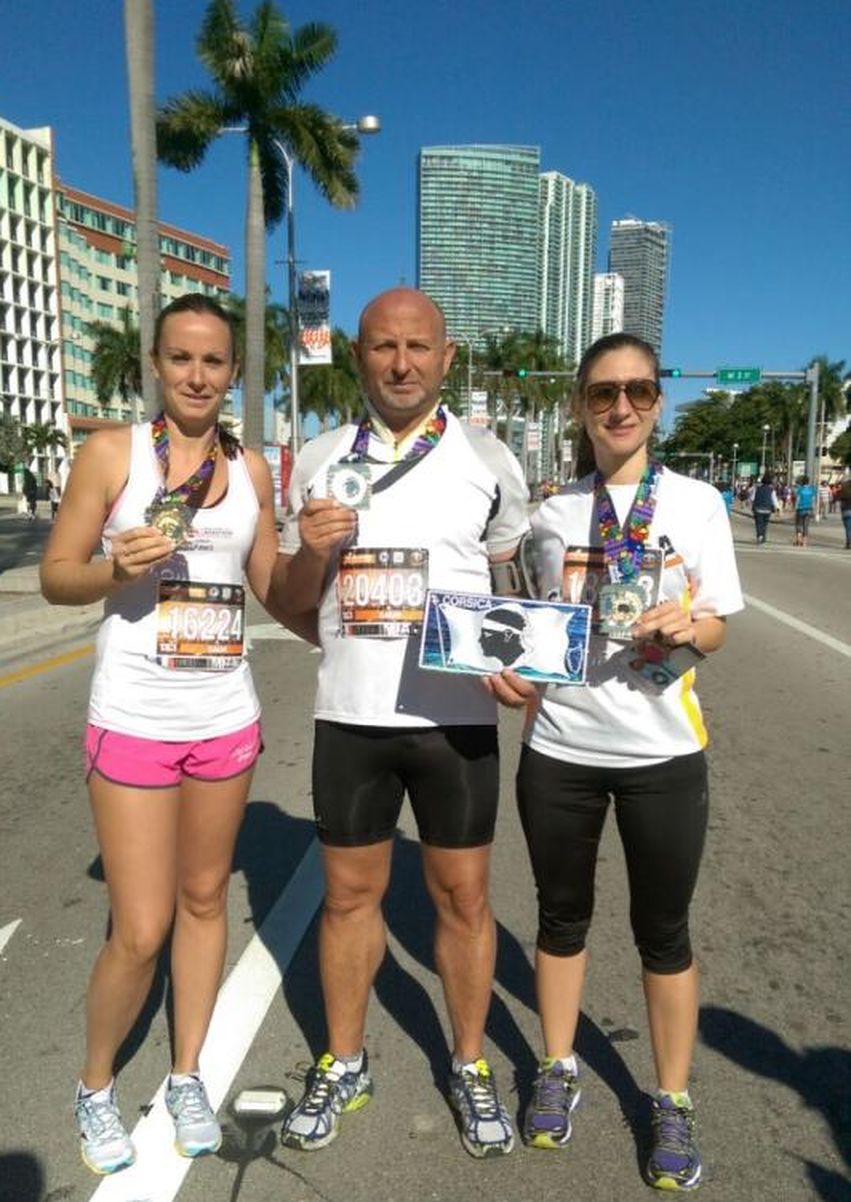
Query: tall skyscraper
[(640, 252), (608, 304), (477, 236), (567, 251)]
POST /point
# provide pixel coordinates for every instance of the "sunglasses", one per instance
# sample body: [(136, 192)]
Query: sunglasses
[(641, 394)]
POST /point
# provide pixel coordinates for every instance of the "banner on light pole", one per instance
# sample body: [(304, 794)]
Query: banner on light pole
[(314, 317)]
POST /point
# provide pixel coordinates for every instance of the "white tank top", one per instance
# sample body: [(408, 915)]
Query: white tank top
[(132, 691)]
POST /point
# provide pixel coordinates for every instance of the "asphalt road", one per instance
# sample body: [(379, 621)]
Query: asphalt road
[(772, 1075)]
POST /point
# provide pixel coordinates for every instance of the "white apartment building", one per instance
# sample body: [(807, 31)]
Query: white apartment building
[(67, 259), (30, 358), (567, 250), (608, 304)]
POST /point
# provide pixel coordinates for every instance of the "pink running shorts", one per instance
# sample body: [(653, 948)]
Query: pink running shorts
[(152, 764)]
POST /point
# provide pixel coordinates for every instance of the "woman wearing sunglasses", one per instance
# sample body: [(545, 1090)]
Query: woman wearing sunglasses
[(652, 552)]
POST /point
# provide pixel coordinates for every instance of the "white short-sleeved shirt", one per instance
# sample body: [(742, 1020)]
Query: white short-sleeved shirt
[(463, 502), (616, 719)]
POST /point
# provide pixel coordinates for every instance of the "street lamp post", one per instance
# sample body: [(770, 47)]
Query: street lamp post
[(762, 466), (735, 456), (363, 125)]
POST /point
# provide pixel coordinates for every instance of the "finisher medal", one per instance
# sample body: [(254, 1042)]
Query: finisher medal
[(171, 511), (173, 519)]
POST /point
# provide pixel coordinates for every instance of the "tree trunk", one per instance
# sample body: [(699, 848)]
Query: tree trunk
[(255, 305), (139, 46)]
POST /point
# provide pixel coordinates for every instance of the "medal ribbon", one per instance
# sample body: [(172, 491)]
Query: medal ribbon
[(191, 491), (623, 550), (429, 436)]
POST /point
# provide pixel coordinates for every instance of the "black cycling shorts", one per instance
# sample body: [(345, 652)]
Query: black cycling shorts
[(661, 812), (361, 775)]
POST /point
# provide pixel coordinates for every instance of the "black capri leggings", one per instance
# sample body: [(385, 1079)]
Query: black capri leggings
[(661, 813)]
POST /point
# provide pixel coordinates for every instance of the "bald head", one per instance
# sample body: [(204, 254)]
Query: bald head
[(395, 299), (403, 355)]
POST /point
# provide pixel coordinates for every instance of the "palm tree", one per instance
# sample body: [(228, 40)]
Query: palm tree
[(258, 71), (42, 439), (276, 339), (139, 49), (116, 359)]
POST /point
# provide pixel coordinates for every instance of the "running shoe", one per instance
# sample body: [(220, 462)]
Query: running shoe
[(674, 1161), (196, 1128), (330, 1090), (105, 1145), (482, 1119), (555, 1094)]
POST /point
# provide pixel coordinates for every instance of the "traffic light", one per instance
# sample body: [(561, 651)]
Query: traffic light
[(522, 373), (673, 373), (511, 373)]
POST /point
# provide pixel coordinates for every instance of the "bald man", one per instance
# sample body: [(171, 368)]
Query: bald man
[(407, 499)]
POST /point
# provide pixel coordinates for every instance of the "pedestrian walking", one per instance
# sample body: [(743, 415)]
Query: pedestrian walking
[(174, 721), (844, 499), (30, 487), (764, 504), (54, 495), (407, 498), (633, 734), (805, 499)]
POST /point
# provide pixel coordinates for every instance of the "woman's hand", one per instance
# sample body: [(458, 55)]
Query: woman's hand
[(134, 552), (668, 623)]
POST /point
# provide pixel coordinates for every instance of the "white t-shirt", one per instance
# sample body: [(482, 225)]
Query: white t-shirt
[(465, 500), (617, 719)]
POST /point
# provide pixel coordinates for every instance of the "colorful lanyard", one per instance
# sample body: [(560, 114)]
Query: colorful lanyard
[(429, 436), (191, 491), (623, 550)]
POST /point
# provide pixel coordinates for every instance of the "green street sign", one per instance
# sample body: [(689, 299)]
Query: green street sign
[(738, 375)]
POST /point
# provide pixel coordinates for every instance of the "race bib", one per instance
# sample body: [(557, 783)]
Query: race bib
[(200, 626), (381, 591)]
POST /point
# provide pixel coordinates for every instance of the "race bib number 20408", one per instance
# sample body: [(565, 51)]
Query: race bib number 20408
[(381, 591)]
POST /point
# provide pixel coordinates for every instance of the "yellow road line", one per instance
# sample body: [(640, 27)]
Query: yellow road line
[(46, 665)]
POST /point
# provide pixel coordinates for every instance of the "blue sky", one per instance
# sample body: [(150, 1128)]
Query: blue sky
[(731, 120)]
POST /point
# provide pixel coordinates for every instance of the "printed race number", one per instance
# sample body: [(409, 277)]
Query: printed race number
[(381, 591), (200, 625)]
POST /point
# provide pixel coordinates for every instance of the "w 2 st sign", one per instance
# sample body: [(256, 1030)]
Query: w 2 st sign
[(738, 375)]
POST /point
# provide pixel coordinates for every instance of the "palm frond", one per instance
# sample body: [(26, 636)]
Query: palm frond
[(186, 125), (224, 44), (325, 150)]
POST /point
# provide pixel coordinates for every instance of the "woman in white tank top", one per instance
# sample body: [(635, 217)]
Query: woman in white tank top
[(185, 517)]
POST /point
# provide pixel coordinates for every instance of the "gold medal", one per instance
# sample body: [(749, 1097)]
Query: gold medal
[(174, 521)]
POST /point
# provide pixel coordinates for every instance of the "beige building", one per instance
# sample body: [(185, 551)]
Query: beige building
[(97, 272)]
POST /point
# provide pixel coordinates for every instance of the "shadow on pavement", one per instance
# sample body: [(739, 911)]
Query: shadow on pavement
[(820, 1075), (269, 849), (21, 1178), (21, 541)]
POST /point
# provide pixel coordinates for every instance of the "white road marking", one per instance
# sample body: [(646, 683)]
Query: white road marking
[(8, 931), (240, 1009), (802, 627)]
